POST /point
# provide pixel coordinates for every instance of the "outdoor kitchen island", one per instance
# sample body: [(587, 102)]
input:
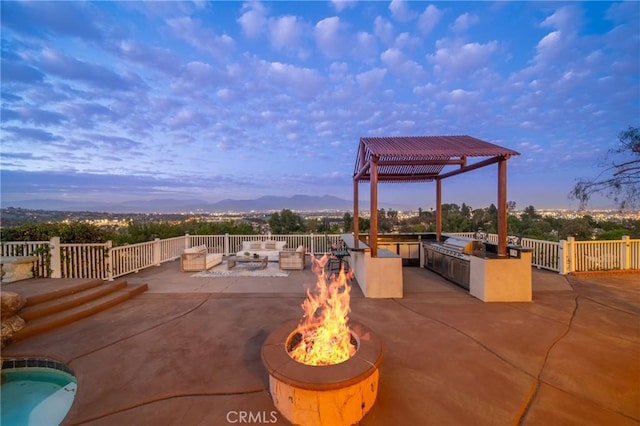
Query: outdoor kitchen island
[(475, 265), (379, 276)]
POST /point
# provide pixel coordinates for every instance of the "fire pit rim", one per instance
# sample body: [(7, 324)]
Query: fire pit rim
[(279, 364)]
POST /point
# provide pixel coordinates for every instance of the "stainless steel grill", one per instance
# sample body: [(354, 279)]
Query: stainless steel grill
[(451, 258), (464, 245), (442, 248)]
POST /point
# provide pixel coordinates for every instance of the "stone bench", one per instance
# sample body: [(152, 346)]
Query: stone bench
[(16, 268)]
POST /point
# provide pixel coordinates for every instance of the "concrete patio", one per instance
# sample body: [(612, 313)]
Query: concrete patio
[(187, 352)]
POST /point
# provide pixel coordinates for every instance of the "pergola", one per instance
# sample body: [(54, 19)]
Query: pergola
[(423, 159)]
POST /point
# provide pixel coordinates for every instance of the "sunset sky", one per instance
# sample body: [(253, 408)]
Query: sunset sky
[(116, 101)]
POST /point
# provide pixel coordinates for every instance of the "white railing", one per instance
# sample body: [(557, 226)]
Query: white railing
[(134, 257), (578, 256), (545, 253), (231, 244), (30, 248), (81, 261), (102, 261), (600, 255), (131, 258)]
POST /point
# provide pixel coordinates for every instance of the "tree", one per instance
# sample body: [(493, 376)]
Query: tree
[(578, 228), (465, 210), (492, 216), (620, 180), (529, 213), (347, 221), (385, 222), (74, 232), (311, 225), (363, 224), (286, 222), (324, 225)]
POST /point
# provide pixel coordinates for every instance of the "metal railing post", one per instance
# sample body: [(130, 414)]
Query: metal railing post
[(226, 249), (55, 257), (187, 239)]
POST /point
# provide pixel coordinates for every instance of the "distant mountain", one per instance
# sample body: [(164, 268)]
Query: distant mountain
[(59, 205), (266, 203), (297, 202)]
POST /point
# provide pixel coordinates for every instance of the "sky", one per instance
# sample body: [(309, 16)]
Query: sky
[(120, 101)]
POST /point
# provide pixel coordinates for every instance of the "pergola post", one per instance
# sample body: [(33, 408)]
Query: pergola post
[(373, 227), (502, 207), (356, 213), (438, 209)]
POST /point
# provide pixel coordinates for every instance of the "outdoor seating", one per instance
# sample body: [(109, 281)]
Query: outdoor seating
[(292, 258), (262, 248), (336, 259), (199, 259)]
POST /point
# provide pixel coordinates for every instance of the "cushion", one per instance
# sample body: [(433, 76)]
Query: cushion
[(300, 249), (191, 250), (280, 245), (269, 245), (255, 245)]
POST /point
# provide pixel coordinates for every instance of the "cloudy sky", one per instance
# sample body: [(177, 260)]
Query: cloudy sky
[(113, 101)]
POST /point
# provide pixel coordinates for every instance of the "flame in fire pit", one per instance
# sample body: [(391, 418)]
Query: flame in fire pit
[(324, 336)]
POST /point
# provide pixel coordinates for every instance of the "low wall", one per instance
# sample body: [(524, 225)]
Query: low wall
[(378, 277), (501, 279)]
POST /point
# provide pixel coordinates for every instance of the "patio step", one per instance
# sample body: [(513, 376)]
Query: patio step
[(70, 300), (61, 292), (66, 307)]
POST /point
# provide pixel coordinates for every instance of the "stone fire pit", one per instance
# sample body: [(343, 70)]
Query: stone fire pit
[(338, 394)]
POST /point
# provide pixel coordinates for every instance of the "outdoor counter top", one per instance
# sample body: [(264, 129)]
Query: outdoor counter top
[(350, 242)]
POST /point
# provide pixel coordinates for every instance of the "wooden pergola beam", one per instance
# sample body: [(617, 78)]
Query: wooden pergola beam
[(473, 166), (362, 172), (422, 177)]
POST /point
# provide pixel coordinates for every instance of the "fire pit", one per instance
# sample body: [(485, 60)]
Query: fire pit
[(323, 386)]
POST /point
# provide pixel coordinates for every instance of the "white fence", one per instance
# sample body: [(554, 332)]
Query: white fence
[(102, 261), (30, 248), (599, 255), (545, 254)]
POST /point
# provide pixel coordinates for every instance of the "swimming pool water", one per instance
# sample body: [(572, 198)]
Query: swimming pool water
[(36, 396)]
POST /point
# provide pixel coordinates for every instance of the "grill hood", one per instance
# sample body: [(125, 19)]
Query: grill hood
[(463, 245)]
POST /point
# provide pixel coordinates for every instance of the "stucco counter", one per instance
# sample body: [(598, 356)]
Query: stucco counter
[(378, 277)]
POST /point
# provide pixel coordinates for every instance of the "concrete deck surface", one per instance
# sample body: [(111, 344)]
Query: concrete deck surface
[(187, 352)]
